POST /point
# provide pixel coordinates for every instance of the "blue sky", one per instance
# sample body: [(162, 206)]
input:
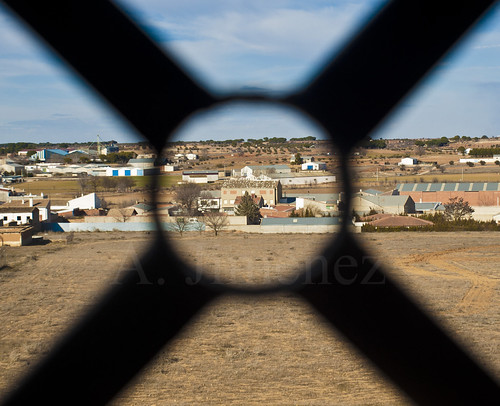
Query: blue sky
[(231, 44)]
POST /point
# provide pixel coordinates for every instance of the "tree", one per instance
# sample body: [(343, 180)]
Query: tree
[(180, 224), (216, 221), (94, 182), (298, 159), (83, 183), (482, 163), (248, 208), (457, 208), (451, 163), (187, 196), (461, 150), (470, 164)]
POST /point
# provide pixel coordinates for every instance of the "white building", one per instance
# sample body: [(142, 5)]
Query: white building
[(200, 176), (254, 171), (19, 215), (408, 161), (169, 168), (130, 171), (85, 202), (313, 166), (191, 157), (27, 202)]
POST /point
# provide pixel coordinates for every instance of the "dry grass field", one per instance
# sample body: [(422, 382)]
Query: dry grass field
[(248, 350)]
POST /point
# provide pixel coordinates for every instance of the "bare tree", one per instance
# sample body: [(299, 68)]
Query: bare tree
[(199, 225), (187, 196), (83, 183), (180, 224), (94, 182), (108, 183), (216, 221)]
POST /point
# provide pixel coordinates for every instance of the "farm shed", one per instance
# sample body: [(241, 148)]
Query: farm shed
[(16, 236), (313, 166), (200, 176), (387, 204)]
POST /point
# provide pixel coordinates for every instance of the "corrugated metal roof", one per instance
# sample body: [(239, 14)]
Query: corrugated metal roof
[(448, 187), (372, 192)]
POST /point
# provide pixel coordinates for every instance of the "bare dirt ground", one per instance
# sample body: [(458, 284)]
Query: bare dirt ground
[(250, 350)]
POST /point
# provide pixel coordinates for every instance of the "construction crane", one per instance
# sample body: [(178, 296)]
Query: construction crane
[(98, 142)]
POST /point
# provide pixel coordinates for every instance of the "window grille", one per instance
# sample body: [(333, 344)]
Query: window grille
[(348, 98)]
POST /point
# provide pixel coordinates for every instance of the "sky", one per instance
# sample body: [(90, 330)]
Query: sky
[(226, 45)]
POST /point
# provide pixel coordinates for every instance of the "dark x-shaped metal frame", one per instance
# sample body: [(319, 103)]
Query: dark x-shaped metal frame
[(348, 98)]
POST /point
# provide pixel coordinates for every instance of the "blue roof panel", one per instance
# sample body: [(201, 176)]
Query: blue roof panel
[(435, 187), (449, 187), (463, 187), (407, 187)]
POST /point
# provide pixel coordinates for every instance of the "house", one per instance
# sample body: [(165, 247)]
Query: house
[(109, 149), (7, 165), (209, 201), (16, 236), (85, 202), (257, 170), (270, 191), (408, 161), (26, 202), (191, 157), (20, 215), (169, 168), (387, 204), (305, 159), (200, 176), (313, 166)]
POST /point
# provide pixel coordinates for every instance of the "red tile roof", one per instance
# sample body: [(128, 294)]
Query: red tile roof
[(400, 221)]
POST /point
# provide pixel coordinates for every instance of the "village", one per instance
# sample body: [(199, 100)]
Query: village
[(247, 213), (263, 186)]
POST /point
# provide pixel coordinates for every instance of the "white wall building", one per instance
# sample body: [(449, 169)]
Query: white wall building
[(127, 171), (408, 161), (313, 166), (200, 176)]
